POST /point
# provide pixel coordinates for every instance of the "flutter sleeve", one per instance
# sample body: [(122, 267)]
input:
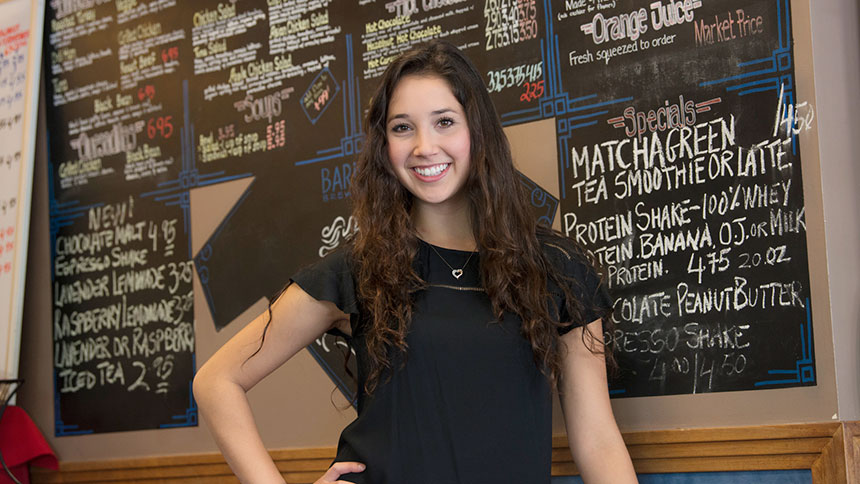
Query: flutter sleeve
[(583, 283), (330, 279)]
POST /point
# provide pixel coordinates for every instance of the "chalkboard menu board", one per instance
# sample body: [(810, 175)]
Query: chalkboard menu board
[(676, 125), (119, 169), (680, 169)]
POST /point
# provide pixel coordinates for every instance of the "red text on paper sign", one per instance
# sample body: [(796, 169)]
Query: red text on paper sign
[(13, 38), (7, 245)]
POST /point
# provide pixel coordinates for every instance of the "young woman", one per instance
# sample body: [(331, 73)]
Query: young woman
[(462, 311)]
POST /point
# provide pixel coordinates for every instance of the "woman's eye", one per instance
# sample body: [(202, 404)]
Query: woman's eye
[(446, 122), (399, 128)]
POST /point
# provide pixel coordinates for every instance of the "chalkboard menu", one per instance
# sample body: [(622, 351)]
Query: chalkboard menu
[(119, 216), (680, 169), (676, 125)]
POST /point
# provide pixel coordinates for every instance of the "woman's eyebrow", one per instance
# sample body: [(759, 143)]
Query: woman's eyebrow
[(397, 116), (433, 113)]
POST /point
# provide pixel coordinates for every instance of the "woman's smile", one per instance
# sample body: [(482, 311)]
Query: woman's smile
[(431, 172)]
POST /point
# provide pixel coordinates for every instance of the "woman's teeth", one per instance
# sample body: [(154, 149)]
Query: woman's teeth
[(431, 170)]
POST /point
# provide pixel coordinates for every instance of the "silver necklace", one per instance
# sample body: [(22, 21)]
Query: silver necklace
[(457, 273)]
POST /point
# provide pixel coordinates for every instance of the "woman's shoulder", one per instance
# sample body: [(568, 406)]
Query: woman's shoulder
[(336, 259), (573, 269), (330, 278), (342, 255)]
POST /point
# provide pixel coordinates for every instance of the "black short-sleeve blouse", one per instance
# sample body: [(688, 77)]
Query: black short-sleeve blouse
[(468, 403)]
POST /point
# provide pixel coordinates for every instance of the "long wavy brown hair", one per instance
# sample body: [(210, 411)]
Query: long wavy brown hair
[(514, 269)]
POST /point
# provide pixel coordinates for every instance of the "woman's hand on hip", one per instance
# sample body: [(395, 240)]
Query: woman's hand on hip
[(338, 469)]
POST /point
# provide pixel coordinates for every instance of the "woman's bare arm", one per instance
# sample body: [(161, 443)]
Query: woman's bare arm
[(220, 385), (595, 441)]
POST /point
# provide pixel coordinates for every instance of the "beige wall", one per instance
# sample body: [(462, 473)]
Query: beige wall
[(836, 47), (292, 406)]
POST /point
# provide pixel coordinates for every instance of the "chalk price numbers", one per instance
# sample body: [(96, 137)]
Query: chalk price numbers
[(112, 373), (160, 126), (170, 54), (509, 22), (146, 92), (524, 76), (276, 135)]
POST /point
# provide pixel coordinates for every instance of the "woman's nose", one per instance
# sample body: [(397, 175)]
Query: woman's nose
[(425, 143)]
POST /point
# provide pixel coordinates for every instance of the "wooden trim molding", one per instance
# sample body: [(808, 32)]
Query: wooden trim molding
[(831, 450), (722, 449), (840, 458), (852, 451)]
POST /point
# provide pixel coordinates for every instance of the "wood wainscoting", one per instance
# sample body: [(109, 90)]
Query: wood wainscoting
[(831, 450)]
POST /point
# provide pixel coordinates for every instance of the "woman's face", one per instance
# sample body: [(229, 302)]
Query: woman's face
[(428, 140)]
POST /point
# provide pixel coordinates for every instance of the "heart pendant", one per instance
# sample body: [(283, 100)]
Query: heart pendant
[(457, 273)]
